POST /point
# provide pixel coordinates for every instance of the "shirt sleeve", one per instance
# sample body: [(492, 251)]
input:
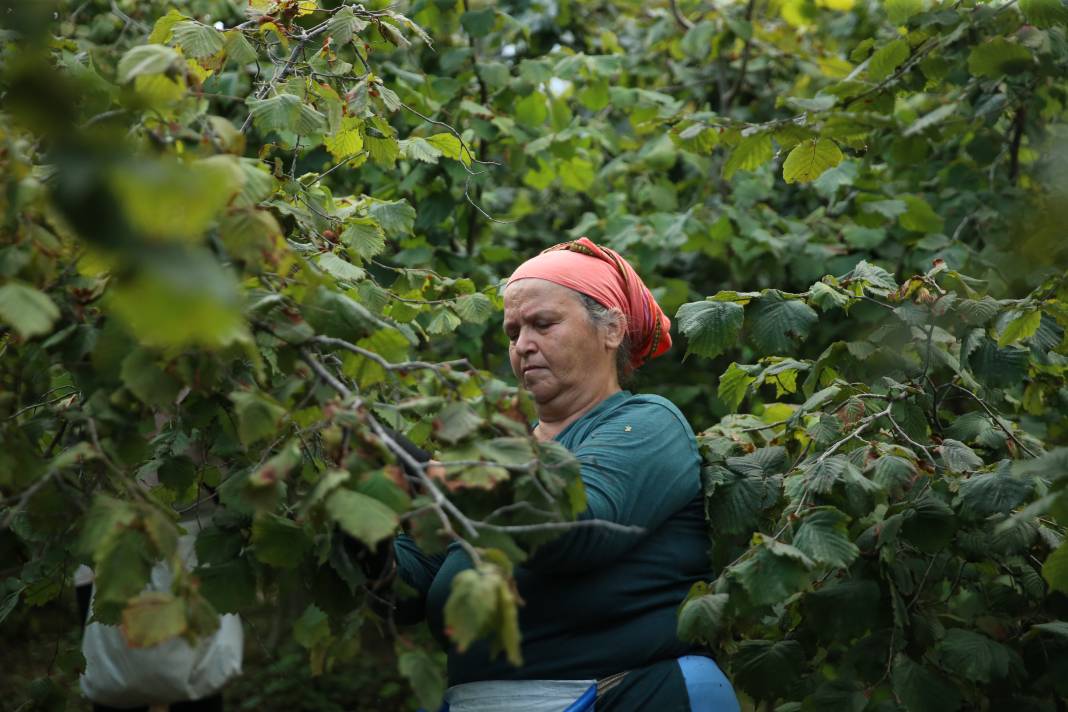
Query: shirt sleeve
[(417, 569), (639, 467)]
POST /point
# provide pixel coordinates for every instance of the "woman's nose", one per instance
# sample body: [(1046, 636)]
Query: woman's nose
[(524, 343)]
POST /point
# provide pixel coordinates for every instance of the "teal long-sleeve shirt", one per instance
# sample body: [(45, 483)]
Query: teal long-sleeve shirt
[(597, 602)]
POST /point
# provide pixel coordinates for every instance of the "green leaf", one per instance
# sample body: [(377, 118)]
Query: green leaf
[(578, 174), (824, 537), (735, 500), (161, 31), (230, 587), (312, 628), (442, 321), (733, 385), (711, 327), (395, 216), (893, 473), (919, 216), (347, 140), (922, 690), (258, 415), (768, 669), (514, 451), (153, 618), (874, 278), (238, 47), (843, 610), (1044, 13), (998, 367), (148, 381), (475, 308), (531, 110), (286, 112), (145, 60), (176, 200), (29, 311), (810, 159), (472, 605), (419, 149), (333, 265), (1059, 628), (826, 297), (753, 152), (177, 473), (997, 57), (887, 58), (993, 493), (106, 520), (974, 656), (1055, 569), (899, 11), (122, 570), (978, 312), (450, 147), (361, 516), (958, 457), (780, 324), (424, 675), (455, 422), (198, 40), (773, 573), (343, 25), (700, 617), (824, 474), (479, 23), (278, 541), (1022, 327), (364, 236)]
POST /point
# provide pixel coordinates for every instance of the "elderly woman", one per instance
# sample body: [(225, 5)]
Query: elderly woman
[(599, 617)]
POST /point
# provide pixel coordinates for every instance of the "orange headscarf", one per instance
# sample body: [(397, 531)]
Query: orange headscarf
[(602, 274)]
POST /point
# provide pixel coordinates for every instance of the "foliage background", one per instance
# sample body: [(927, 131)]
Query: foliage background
[(332, 203)]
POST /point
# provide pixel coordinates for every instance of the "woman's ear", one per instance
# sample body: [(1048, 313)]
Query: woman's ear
[(615, 331)]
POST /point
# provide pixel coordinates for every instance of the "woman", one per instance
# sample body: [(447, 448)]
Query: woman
[(598, 622)]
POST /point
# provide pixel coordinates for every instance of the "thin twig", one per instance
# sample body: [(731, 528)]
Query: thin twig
[(996, 418), (681, 19), (725, 105), (905, 436), (42, 404), (389, 365), (560, 526)]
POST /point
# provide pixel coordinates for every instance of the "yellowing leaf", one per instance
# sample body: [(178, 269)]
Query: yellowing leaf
[(1022, 327), (810, 159), (450, 147), (152, 618), (753, 152), (347, 140)]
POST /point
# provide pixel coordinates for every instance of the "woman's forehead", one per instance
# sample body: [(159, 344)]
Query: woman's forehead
[(530, 294)]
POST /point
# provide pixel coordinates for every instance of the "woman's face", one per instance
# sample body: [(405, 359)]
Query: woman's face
[(556, 352)]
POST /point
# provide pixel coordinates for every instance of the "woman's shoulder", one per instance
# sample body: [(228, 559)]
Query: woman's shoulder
[(652, 405), (650, 412)]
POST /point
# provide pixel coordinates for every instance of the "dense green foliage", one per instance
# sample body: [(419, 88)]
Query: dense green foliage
[(240, 237)]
